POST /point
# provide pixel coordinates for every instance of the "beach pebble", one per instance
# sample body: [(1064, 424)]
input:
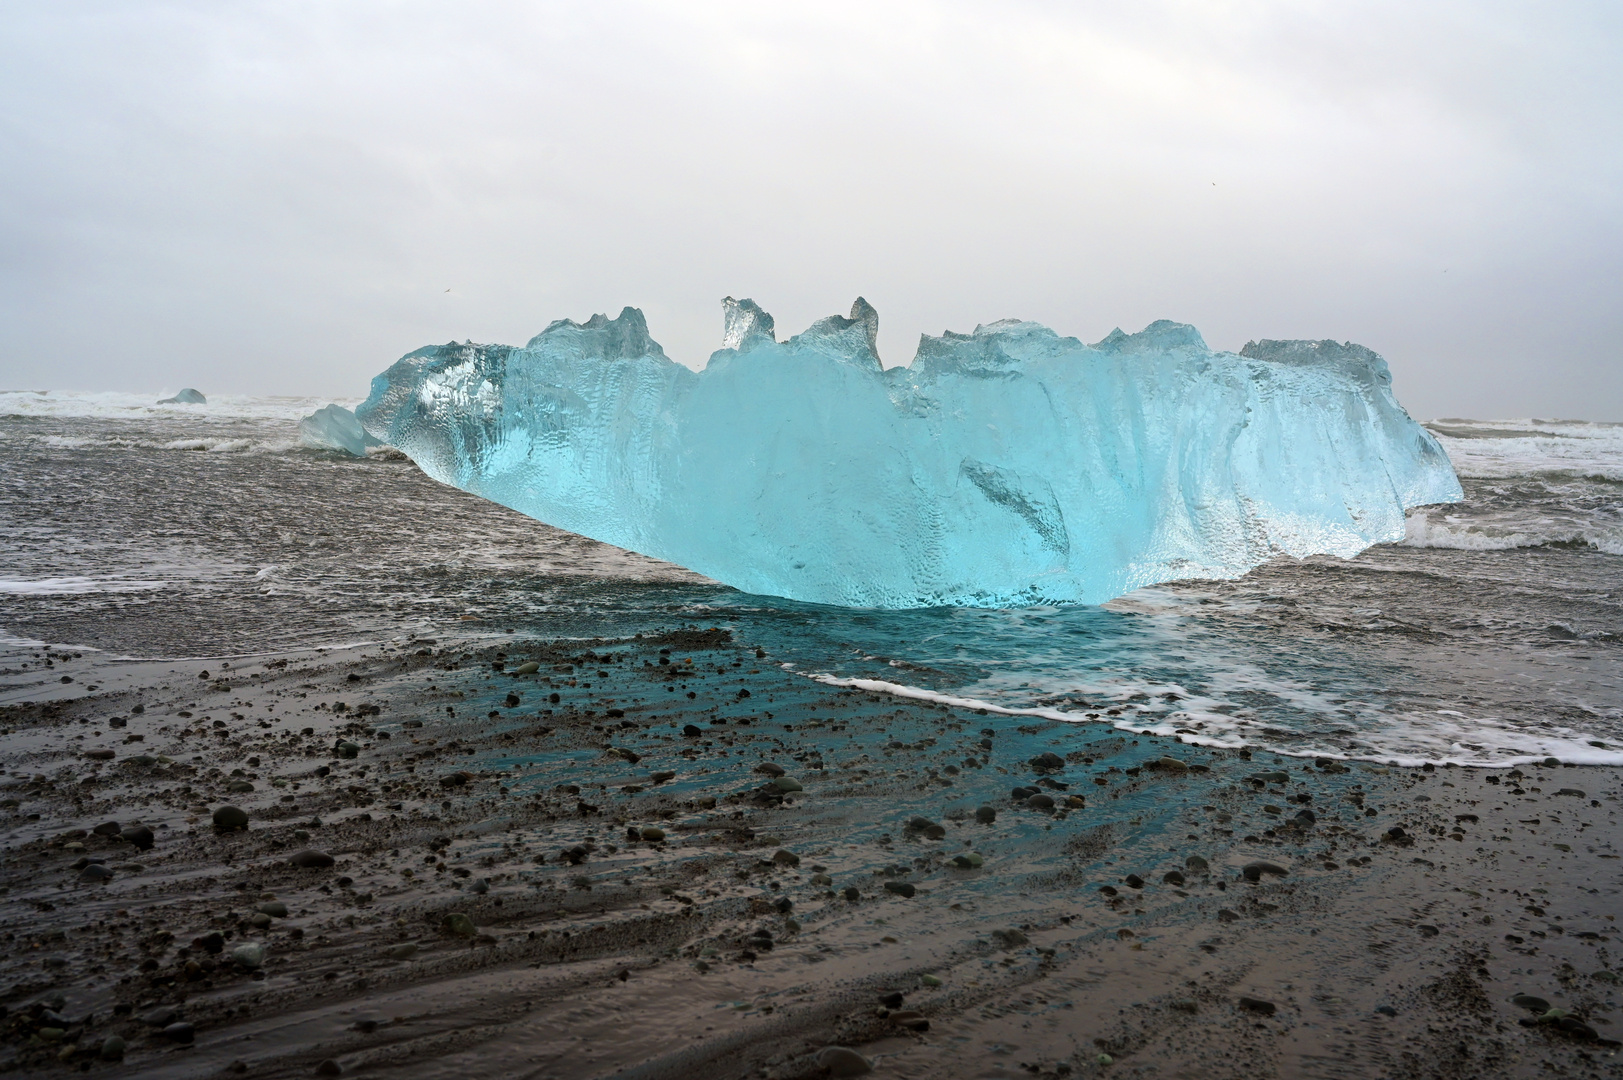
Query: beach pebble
[(311, 859), (1105, 1059), (1047, 761), (930, 980), (822, 879), (212, 943), (456, 779), (1133, 881), (459, 924), (250, 956), (1172, 764), (238, 787), (1173, 877), (529, 668), (1306, 819), (970, 860), (985, 815), (770, 769), (661, 777), (112, 1048), (691, 731), (95, 872), (180, 1032), (404, 951), (1258, 1006), (787, 784), (1040, 802), (1253, 871), (329, 1068), (842, 1061), (274, 908), (1552, 763), (1010, 939), (259, 920), (1571, 791), (1196, 863), (162, 1016), (138, 835), (1528, 1001), (651, 833), (1022, 793), (348, 749), (784, 857), (230, 817), (925, 827), (1271, 778), (479, 886), (108, 828), (904, 889)]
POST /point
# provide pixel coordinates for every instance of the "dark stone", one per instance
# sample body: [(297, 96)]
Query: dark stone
[(852, 894), (1528, 1001), (904, 889), (139, 835), (891, 1000), (1253, 871), (986, 815), (1173, 877), (1133, 881), (180, 1032), (227, 818), (1047, 761), (1258, 1006), (691, 731), (107, 828), (1040, 802), (310, 859), (456, 779)]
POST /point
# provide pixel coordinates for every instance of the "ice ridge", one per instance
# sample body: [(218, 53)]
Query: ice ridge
[(1005, 466)]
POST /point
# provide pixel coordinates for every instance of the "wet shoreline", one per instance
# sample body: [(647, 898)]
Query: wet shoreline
[(721, 940)]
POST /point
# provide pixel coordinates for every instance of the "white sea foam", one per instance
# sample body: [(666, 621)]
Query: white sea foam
[(1432, 527), (1405, 738), (74, 586), (1496, 449), (108, 405)]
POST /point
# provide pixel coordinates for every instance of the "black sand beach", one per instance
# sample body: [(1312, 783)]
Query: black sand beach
[(662, 855)]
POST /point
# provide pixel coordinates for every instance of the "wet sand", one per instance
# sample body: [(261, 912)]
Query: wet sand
[(665, 856)]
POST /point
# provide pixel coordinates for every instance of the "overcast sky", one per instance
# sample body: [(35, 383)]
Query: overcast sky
[(285, 197)]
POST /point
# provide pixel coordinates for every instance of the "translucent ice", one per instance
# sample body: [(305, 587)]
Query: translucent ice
[(187, 396), (335, 428), (1007, 466)]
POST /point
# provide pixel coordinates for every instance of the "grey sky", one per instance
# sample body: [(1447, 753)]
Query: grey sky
[(274, 198)]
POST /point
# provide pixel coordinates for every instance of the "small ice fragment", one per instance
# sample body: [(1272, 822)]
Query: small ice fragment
[(187, 396), (335, 428)]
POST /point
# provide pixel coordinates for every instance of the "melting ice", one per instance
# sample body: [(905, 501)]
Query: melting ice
[(1004, 467)]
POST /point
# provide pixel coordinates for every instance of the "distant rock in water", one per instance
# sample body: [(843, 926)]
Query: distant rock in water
[(1007, 466), (335, 428), (187, 396)]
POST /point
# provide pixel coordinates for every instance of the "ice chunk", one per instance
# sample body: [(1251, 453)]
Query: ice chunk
[(1006, 466), (187, 396), (335, 428)]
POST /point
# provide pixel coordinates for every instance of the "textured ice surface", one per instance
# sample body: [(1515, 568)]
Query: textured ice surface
[(187, 396), (335, 428), (1007, 466)]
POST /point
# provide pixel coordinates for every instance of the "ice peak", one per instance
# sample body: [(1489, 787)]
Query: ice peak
[(853, 338), (622, 338), (1345, 355), (1162, 335), (744, 324)]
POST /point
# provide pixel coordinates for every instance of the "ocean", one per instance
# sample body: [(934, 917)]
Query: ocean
[(1491, 635)]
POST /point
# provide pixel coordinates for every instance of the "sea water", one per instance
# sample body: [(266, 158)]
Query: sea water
[(1492, 634)]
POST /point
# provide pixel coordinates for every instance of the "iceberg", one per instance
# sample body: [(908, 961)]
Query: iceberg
[(187, 396), (335, 428), (1007, 466)]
